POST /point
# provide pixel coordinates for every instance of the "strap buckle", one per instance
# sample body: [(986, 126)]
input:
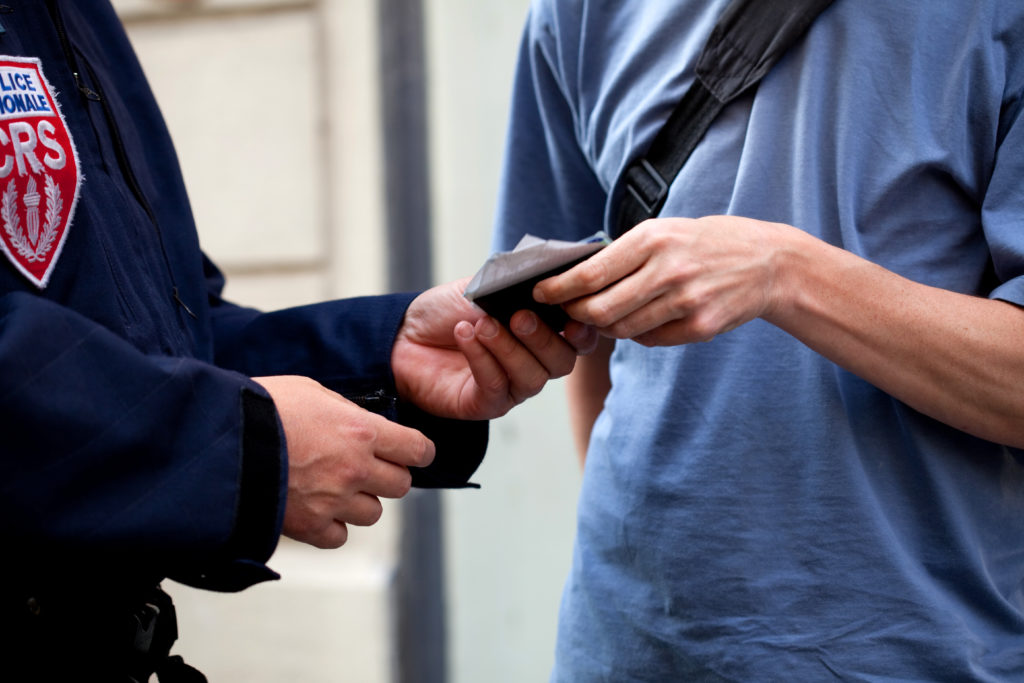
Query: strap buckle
[(646, 186)]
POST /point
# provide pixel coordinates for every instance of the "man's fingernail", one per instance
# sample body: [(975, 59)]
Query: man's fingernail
[(538, 296)]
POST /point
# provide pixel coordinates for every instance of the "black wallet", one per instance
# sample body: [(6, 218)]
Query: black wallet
[(501, 287), (515, 297)]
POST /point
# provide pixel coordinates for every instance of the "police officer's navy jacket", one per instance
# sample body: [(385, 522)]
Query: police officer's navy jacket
[(130, 433)]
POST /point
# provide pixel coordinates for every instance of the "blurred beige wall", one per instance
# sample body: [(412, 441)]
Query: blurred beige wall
[(274, 108)]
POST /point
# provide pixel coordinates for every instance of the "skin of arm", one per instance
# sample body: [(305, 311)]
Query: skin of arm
[(586, 388), (954, 357)]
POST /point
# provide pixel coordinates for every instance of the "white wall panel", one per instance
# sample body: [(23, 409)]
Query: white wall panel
[(241, 95)]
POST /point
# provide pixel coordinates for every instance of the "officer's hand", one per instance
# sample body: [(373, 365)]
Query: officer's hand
[(340, 459), (453, 360)]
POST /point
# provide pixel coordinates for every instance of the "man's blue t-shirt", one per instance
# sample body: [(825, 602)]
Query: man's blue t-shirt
[(750, 511)]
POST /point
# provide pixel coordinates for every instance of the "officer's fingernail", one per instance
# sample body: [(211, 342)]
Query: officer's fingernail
[(538, 296), (488, 328), (464, 330), (526, 323)]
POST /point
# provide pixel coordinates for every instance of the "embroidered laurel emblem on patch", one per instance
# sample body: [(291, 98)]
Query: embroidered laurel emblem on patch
[(30, 244), (39, 170)]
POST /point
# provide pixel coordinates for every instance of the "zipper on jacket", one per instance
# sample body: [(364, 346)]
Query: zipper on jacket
[(96, 95), (133, 184), (69, 53)]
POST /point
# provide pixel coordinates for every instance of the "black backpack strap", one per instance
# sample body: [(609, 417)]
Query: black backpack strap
[(748, 39)]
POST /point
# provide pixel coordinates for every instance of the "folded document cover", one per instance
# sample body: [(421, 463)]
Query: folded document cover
[(505, 283)]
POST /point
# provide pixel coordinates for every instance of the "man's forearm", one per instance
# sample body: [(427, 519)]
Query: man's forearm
[(956, 358)]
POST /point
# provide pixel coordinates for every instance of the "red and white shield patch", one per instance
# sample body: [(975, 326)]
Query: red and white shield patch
[(39, 173)]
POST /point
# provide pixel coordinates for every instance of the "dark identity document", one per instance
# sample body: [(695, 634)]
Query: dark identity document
[(505, 283)]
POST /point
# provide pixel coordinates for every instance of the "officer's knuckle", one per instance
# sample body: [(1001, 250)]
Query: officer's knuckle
[(374, 513), (404, 484), (355, 470)]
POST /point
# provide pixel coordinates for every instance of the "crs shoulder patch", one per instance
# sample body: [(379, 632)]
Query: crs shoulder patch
[(39, 170)]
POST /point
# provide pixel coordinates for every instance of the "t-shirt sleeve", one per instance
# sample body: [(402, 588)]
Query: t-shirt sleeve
[(1003, 207), (548, 186)]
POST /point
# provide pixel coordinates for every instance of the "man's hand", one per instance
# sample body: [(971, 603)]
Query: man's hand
[(453, 360), (953, 357), (675, 280), (340, 459)]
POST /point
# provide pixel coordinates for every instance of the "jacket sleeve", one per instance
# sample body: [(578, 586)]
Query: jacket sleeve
[(346, 346), (114, 458)]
